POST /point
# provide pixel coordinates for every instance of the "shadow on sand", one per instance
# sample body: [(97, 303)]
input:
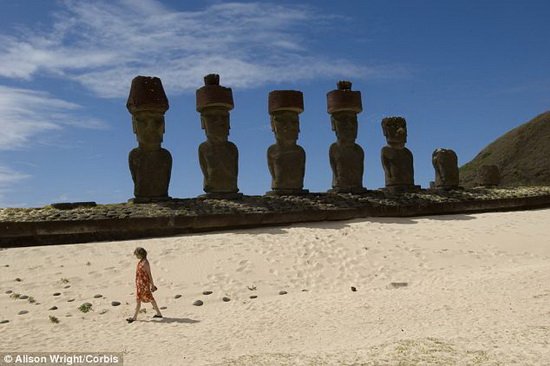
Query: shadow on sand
[(172, 320)]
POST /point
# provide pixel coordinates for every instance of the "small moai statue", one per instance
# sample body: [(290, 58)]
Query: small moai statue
[(150, 164), (397, 160), (218, 157), (286, 160), (445, 163), (488, 176), (346, 157)]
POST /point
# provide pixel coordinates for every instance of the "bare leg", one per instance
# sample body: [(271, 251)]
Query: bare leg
[(154, 303), (138, 306)]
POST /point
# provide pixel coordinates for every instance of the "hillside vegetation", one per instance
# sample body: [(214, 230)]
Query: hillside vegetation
[(522, 155)]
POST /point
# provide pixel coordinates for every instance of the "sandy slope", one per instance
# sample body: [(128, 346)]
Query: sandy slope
[(477, 292)]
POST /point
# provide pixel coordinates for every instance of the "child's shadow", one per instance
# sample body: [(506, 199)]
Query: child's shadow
[(176, 320)]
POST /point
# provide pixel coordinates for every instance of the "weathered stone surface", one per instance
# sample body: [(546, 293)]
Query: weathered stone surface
[(346, 157), (445, 163), (397, 160), (218, 157), (488, 176), (150, 164), (19, 226), (286, 160)]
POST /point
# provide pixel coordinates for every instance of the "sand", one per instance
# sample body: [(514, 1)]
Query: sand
[(442, 290)]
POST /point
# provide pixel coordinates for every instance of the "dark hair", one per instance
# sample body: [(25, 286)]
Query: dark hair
[(140, 252)]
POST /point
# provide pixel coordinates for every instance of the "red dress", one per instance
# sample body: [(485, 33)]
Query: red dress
[(143, 283)]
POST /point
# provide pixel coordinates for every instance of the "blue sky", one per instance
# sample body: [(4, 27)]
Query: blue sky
[(462, 73)]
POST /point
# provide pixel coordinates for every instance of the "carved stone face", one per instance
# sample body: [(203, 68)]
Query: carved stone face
[(395, 131), (215, 122), (149, 127), (345, 126), (286, 126)]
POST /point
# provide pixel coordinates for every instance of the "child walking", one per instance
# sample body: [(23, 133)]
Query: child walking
[(144, 284)]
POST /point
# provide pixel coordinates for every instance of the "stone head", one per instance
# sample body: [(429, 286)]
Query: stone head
[(445, 163), (286, 126), (149, 128), (345, 125), (215, 123), (444, 157), (147, 103), (214, 103), (343, 104), (284, 108), (395, 131)]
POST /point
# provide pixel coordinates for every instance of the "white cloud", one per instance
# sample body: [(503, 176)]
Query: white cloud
[(25, 113), (104, 44)]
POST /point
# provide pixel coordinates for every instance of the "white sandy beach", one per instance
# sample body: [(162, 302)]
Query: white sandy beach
[(468, 290)]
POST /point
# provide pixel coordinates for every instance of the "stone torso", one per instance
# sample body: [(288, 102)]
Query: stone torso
[(287, 166), (347, 166), (219, 164), (151, 172), (398, 166)]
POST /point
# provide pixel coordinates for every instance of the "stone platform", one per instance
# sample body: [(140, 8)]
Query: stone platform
[(74, 223)]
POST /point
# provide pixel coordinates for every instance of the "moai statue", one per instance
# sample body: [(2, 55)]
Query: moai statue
[(488, 176), (218, 157), (346, 157), (397, 160), (286, 159), (445, 163), (150, 164)]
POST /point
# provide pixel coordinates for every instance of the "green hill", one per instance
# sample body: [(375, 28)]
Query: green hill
[(522, 155)]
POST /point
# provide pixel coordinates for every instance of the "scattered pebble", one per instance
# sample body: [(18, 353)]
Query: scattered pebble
[(68, 315), (103, 311), (226, 299), (305, 290), (53, 308), (251, 288), (68, 286), (198, 303), (23, 297), (4, 321), (115, 303), (283, 292), (353, 288), (177, 296), (18, 279), (399, 284), (70, 300), (57, 294), (22, 312), (98, 296), (207, 292), (163, 308), (7, 265), (253, 296), (9, 292)]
